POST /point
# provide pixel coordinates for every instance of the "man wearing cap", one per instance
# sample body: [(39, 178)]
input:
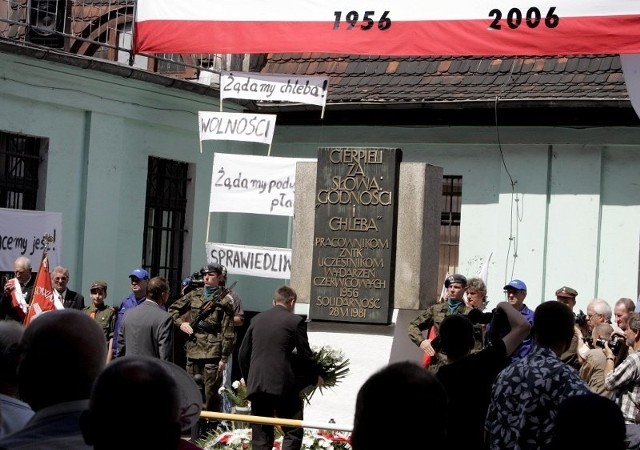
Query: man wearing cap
[(516, 291), (568, 296), (211, 339), (139, 279), (456, 286), (102, 313)]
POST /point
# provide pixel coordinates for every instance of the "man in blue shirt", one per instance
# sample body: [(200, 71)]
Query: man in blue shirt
[(139, 279), (516, 291)]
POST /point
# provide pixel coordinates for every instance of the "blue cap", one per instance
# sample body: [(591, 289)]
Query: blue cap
[(516, 284), (140, 274)]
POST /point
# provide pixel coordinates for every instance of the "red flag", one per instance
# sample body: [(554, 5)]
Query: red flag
[(426, 359), (42, 294)]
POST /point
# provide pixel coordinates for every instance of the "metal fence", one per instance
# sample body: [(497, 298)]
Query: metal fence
[(104, 30)]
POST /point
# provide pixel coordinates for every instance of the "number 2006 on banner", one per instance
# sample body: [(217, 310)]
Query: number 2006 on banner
[(514, 18)]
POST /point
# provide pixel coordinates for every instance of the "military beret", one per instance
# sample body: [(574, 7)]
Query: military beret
[(212, 268), (566, 291), (455, 278)]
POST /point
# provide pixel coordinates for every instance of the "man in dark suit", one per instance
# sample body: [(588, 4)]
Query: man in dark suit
[(148, 328), (69, 299), (16, 297), (266, 361)]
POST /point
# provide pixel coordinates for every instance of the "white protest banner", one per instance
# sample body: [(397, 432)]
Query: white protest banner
[(253, 184), (266, 262), (236, 126), (21, 234), (311, 90), (389, 27)]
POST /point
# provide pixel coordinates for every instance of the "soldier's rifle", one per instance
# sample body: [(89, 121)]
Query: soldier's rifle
[(209, 306)]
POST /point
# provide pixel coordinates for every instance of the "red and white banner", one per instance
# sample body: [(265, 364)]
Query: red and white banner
[(42, 299), (389, 27)]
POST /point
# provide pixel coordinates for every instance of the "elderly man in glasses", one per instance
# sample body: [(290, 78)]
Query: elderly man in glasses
[(69, 299)]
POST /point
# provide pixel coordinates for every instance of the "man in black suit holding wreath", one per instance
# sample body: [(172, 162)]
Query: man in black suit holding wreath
[(274, 356)]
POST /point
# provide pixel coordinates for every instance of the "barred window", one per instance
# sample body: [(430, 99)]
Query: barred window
[(19, 165), (165, 217), (450, 225)]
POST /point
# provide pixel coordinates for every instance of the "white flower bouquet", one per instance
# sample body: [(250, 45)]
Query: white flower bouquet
[(237, 395)]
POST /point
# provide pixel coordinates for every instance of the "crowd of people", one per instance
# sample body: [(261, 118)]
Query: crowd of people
[(512, 377), (119, 362), (532, 367)]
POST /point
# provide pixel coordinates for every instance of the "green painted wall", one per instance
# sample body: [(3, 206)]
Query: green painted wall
[(575, 190)]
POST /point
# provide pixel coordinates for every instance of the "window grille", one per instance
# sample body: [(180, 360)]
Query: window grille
[(449, 226), (19, 165), (165, 213)]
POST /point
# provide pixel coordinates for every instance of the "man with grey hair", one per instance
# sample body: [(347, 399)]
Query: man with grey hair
[(598, 312), (67, 297), (17, 291)]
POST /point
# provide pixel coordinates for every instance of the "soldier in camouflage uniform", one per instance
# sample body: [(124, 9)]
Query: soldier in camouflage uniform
[(105, 315), (211, 339), (456, 285)]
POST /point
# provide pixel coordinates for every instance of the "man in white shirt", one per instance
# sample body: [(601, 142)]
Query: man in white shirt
[(66, 297)]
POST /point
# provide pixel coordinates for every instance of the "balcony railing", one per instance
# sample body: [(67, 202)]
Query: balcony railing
[(102, 29)]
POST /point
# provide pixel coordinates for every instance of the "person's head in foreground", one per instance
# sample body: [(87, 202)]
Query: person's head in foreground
[(553, 326), (138, 390), (570, 432), (62, 353), (387, 401)]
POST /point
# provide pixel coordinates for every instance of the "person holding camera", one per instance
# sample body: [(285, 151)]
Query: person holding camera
[(624, 380), (210, 339), (594, 361), (457, 341)]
